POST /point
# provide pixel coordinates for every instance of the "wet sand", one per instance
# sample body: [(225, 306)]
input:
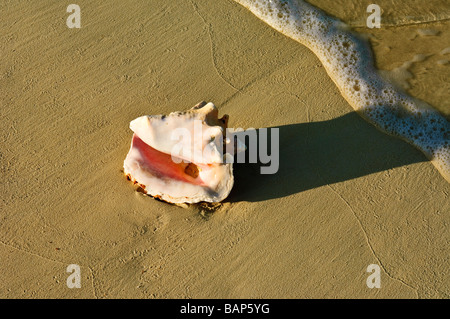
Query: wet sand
[(346, 195)]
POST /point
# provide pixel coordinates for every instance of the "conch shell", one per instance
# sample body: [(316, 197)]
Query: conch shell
[(180, 158)]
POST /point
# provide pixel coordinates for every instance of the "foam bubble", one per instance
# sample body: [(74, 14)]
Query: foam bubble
[(349, 62)]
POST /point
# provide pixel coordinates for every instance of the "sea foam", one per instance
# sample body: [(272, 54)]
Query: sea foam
[(349, 61)]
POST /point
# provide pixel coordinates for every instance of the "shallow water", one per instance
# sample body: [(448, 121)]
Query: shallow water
[(348, 59), (417, 27), (394, 12)]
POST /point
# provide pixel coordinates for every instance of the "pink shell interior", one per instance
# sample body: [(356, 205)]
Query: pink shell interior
[(161, 164)]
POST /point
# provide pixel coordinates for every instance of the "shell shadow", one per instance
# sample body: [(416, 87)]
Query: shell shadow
[(320, 153)]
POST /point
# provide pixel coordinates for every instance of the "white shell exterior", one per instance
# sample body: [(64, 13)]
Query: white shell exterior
[(215, 178)]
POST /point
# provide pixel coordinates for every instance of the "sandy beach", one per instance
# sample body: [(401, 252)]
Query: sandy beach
[(346, 195)]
